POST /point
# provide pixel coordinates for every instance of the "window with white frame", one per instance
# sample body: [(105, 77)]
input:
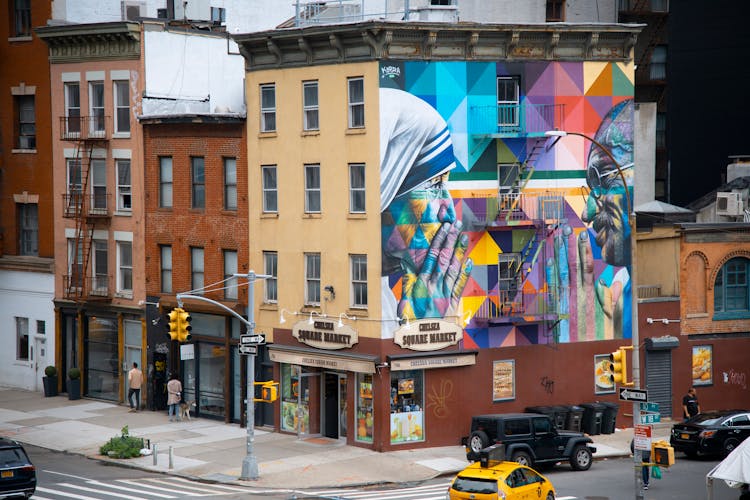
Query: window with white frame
[(122, 107), (28, 228), (196, 270), (165, 264), (125, 267), (96, 108), (357, 188), (359, 280), (124, 200), (26, 127), (310, 105), (99, 186), (198, 184), (268, 108), (22, 339), (165, 181), (270, 263), (230, 269), (73, 108), (312, 279), (270, 189), (312, 189), (230, 184), (507, 100), (101, 273), (356, 93), (218, 14)]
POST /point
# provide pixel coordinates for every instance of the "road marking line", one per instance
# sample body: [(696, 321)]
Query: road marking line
[(118, 487), (65, 494), (92, 490)]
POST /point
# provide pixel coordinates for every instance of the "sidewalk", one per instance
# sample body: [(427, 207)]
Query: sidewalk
[(213, 451)]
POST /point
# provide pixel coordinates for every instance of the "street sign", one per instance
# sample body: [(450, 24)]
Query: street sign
[(642, 437), (650, 418), (248, 349), (257, 339), (649, 407), (633, 394)]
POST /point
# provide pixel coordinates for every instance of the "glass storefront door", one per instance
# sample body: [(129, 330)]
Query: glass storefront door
[(203, 380), (334, 405)]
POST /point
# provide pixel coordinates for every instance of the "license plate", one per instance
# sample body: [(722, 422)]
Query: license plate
[(6, 473), (685, 436)]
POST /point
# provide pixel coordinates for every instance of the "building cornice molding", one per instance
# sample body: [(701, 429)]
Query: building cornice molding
[(90, 42), (375, 40)]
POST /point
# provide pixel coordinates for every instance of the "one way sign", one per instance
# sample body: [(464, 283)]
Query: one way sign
[(640, 395)]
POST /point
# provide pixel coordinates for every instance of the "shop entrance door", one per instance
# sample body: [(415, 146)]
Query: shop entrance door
[(308, 404), (334, 405)]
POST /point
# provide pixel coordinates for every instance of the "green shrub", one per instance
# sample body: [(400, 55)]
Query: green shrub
[(74, 373), (50, 371), (123, 446)]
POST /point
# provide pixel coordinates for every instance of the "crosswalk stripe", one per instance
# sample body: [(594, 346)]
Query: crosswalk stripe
[(400, 492), (37, 497), (92, 490), (212, 485), (65, 494), (171, 487), (199, 487), (123, 488)]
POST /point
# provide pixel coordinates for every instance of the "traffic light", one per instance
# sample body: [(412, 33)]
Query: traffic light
[(619, 366), (662, 453), (269, 392), (183, 333), (174, 324)]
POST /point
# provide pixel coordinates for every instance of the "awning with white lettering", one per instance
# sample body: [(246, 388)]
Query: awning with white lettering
[(361, 363), (453, 359)]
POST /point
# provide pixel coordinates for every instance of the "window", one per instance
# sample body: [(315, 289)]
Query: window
[(22, 339), (357, 188), (507, 272), (507, 100), (312, 188), (41, 327), (268, 108), (21, 18), (555, 11), (230, 184), (218, 14), (198, 176), (165, 182), (441, 2), (125, 266), (99, 186), (75, 264), (731, 287), (101, 275), (270, 263), (73, 109), (96, 105), (196, 270), (122, 107), (270, 193), (359, 280), (26, 120), (661, 130), (166, 268), (230, 269), (356, 102), (312, 279), (75, 188), (658, 66), (124, 200), (28, 229), (310, 105)]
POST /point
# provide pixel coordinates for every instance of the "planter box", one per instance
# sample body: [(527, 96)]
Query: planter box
[(74, 389), (50, 386)]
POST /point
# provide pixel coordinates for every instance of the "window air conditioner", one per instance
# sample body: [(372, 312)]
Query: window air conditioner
[(728, 204)]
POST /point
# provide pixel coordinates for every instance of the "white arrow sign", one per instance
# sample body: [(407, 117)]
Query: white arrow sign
[(633, 394), (257, 339), (248, 349)]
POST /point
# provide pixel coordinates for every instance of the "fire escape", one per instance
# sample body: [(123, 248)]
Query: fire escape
[(85, 202)]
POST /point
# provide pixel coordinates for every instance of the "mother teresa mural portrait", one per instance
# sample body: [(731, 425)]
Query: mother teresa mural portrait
[(424, 268)]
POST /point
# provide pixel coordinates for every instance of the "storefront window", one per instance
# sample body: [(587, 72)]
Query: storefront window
[(293, 411), (208, 324), (364, 408), (102, 359), (407, 406), (211, 373)]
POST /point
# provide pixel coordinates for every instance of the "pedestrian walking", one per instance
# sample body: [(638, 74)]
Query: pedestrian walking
[(174, 395), (645, 462), (135, 380), (690, 405)]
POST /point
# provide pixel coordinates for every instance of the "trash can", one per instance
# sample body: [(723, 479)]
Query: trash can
[(575, 415), (544, 410), (561, 416), (593, 414), (609, 417)]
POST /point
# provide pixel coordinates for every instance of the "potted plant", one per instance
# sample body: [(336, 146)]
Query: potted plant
[(74, 384), (50, 381)]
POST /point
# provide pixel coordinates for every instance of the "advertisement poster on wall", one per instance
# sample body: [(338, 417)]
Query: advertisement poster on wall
[(504, 380), (702, 365), (603, 383)]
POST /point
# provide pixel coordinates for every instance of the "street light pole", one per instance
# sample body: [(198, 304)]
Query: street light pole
[(249, 463), (635, 342)]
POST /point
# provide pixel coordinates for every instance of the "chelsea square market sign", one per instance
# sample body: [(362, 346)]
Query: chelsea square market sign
[(428, 335), (324, 334)]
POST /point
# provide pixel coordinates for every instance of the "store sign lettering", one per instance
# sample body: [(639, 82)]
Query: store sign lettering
[(428, 335), (325, 334)]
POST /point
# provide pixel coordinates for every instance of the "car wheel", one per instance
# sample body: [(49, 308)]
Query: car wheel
[(550, 496), (478, 441), (581, 458), (522, 458), (730, 444)]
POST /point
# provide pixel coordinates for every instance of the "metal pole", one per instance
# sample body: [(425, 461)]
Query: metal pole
[(636, 376), (249, 463)]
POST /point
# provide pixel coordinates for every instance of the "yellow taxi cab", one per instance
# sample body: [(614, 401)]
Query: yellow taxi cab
[(500, 481)]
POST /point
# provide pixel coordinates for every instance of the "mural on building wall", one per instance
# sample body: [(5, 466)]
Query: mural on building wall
[(483, 216)]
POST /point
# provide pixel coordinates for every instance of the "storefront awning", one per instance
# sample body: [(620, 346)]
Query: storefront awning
[(361, 363), (432, 360)]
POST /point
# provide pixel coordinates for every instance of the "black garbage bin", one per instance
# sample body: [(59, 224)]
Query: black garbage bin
[(609, 417), (593, 414), (575, 416), (544, 410), (561, 416)]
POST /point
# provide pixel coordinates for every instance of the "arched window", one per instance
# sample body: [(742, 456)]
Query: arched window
[(731, 294)]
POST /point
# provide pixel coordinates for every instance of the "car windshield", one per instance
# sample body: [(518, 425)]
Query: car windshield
[(12, 457), (707, 419), (475, 485)]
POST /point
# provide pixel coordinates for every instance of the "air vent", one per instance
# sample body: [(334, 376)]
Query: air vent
[(729, 204)]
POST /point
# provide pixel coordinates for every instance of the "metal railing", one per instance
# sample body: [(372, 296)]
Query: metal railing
[(74, 128), (315, 12), (517, 303), (547, 206), (516, 120), (86, 205), (94, 287)]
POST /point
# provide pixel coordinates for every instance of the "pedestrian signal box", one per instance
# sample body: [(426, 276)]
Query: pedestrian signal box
[(662, 453), (269, 392)]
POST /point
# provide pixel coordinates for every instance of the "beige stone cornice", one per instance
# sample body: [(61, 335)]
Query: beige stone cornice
[(87, 42)]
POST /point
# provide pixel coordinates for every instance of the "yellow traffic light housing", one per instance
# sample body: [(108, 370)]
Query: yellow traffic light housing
[(662, 453), (619, 366), (269, 392), (183, 333), (174, 324)]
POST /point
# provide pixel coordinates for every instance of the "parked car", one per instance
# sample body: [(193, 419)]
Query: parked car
[(17, 473), (500, 480), (530, 439), (711, 433)]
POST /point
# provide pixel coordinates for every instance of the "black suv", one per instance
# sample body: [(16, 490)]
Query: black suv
[(17, 473), (529, 439)]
